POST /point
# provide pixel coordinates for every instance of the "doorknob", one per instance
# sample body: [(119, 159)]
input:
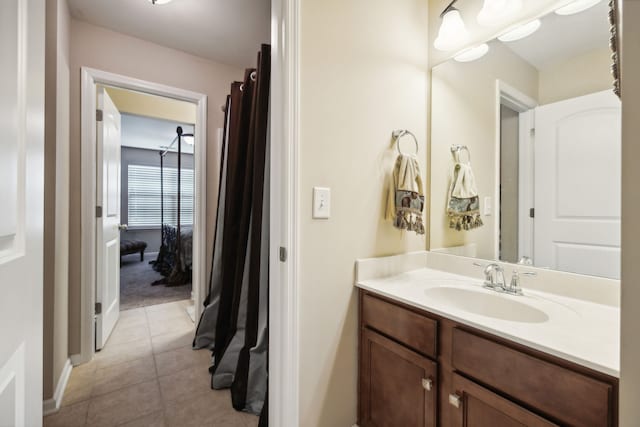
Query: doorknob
[(123, 227)]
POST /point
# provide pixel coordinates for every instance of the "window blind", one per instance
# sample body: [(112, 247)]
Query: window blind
[(144, 196)]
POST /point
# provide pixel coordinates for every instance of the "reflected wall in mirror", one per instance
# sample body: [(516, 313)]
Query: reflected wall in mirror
[(542, 127)]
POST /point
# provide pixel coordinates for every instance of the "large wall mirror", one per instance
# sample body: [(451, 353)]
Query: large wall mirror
[(525, 148)]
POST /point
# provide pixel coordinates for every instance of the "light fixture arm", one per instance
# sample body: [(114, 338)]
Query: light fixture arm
[(448, 8)]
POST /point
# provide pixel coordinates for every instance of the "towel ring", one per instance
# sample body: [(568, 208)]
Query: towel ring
[(398, 134)]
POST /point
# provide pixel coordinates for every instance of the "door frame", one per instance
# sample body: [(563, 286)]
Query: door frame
[(511, 97), (284, 258), (90, 78)]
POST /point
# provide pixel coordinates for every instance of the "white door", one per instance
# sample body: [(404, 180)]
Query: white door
[(577, 185), (22, 36), (108, 223)]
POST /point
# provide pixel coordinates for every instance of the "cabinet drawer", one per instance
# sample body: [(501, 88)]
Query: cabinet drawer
[(398, 387), (559, 393), (412, 329)]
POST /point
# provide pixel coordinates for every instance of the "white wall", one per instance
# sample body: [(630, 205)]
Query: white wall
[(56, 228), (106, 50), (465, 112), (577, 76), (630, 299), (363, 74)]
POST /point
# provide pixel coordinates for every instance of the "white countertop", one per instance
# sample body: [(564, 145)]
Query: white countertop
[(583, 332)]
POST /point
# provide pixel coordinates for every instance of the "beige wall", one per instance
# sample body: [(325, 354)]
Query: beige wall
[(159, 107), (577, 76), (465, 112), (56, 228), (478, 34), (363, 74), (630, 299), (106, 50)]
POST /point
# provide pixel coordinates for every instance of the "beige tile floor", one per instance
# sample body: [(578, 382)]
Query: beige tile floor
[(148, 376)]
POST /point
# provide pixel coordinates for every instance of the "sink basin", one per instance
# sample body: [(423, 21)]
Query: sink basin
[(488, 304)]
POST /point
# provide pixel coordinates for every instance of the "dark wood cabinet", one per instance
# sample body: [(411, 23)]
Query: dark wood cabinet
[(475, 406), (476, 379), (398, 386)]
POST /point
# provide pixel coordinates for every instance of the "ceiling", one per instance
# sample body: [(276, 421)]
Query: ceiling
[(152, 134), (563, 37), (227, 31)]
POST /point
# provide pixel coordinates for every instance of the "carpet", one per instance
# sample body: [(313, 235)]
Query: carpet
[(135, 284)]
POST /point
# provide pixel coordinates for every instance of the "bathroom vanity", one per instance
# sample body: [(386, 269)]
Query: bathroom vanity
[(437, 349), (524, 178)]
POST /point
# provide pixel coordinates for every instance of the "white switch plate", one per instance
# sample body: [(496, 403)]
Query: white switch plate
[(488, 206), (321, 203)]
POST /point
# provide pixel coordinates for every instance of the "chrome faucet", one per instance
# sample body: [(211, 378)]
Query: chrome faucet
[(514, 287), (494, 277)]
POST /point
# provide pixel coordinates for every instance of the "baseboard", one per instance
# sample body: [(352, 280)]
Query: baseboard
[(52, 405), (76, 359)]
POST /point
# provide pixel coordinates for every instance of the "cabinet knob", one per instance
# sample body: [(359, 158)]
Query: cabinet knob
[(427, 384), (455, 400)]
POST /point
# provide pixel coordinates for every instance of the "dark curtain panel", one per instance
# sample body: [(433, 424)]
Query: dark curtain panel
[(237, 216), (234, 324), (257, 268)]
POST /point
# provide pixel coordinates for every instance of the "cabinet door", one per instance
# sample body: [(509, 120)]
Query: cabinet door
[(475, 406), (397, 386)]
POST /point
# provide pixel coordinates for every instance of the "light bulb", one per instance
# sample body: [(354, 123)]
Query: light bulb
[(521, 31), (576, 7), (452, 31), (473, 53), (496, 11), (159, 1)]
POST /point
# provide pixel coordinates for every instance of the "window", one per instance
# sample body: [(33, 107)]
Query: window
[(144, 196)]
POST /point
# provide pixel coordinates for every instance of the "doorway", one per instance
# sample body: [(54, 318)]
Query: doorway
[(137, 137), (102, 302)]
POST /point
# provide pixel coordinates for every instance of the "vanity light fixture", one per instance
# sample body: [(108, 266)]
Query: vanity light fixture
[(473, 53), (521, 31), (496, 11), (576, 7), (154, 2), (453, 32)]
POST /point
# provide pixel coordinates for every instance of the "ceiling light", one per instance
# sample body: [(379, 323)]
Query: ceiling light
[(159, 1), (576, 7), (521, 31), (452, 31), (496, 11), (473, 53)]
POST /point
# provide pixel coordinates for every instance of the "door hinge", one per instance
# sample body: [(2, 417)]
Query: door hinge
[(98, 115), (532, 213), (98, 308), (532, 132), (98, 211), (283, 254)]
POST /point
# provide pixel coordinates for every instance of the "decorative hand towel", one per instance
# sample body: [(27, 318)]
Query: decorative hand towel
[(463, 206), (405, 200)]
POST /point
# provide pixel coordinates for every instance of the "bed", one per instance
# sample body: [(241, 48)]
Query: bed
[(174, 259)]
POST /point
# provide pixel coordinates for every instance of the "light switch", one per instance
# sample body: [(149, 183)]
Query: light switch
[(321, 202), (487, 209)]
